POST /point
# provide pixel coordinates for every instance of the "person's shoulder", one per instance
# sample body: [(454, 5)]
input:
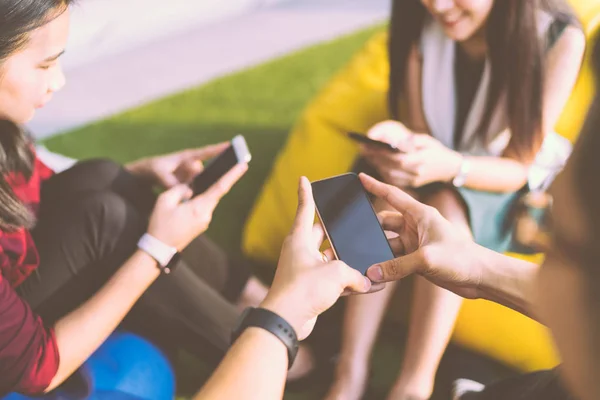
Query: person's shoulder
[(572, 42)]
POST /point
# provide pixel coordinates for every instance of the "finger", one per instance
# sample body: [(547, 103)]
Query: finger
[(380, 131), (390, 132), (397, 268), (207, 152), (175, 195), (330, 254), (212, 196), (188, 170), (305, 214), (318, 235), (397, 246), (348, 278), (423, 140), (399, 178), (412, 162), (398, 199), (390, 235), (375, 287), (391, 221), (168, 181)]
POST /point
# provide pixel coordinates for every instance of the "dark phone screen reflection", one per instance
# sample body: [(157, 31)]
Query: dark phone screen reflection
[(351, 223)]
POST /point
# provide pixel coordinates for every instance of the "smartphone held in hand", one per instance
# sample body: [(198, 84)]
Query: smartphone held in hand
[(350, 222), (236, 153)]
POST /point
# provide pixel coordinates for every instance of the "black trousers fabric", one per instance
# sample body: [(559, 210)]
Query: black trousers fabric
[(90, 220)]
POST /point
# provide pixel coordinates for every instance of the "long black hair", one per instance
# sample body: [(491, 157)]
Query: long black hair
[(18, 18), (516, 57)]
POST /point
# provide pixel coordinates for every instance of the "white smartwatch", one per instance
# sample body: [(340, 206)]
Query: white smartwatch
[(461, 178), (166, 256)]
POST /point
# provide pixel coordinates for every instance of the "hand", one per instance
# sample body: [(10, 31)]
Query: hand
[(392, 132), (426, 244), (305, 285), (177, 222), (429, 161), (175, 168)]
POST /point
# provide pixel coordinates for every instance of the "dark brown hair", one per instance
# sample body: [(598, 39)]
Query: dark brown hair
[(516, 56), (18, 18)]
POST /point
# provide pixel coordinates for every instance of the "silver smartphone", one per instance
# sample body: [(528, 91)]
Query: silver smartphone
[(236, 153)]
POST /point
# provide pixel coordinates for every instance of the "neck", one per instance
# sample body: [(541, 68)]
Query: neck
[(476, 46)]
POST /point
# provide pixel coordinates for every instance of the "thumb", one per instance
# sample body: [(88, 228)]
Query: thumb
[(397, 268), (349, 278), (175, 195), (168, 180)]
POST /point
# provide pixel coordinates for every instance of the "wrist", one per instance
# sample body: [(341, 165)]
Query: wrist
[(166, 256), (285, 309), (460, 170)]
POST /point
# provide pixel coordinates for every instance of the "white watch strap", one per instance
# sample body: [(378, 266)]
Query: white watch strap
[(461, 178), (158, 250)]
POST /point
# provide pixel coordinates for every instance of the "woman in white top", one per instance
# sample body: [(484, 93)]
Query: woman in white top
[(476, 87)]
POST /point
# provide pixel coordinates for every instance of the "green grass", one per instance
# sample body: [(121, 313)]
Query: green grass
[(262, 103)]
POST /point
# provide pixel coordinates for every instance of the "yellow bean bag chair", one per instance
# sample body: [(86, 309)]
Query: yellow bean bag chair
[(355, 100)]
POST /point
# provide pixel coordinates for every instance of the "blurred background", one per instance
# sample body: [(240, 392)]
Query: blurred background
[(124, 53)]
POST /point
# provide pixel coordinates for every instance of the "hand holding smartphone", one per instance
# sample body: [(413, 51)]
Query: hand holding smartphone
[(357, 137), (350, 222), (236, 153)]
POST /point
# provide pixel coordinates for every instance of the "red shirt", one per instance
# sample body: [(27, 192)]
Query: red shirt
[(28, 351)]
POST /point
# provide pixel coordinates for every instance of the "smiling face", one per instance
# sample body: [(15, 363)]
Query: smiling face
[(461, 19), (30, 76)]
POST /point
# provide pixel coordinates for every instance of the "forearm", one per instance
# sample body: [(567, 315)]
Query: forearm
[(507, 280), (496, 174), (82, 331), (254, 368)]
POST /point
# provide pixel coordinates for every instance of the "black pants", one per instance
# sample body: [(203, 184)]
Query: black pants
[(90, 220)]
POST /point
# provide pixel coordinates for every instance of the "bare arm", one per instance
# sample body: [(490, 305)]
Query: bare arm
[(82, 331), (254, 368), (505, 280)]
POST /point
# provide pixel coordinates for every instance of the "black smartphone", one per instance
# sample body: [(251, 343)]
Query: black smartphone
[(357, 137), (236, 153), (350, 222)]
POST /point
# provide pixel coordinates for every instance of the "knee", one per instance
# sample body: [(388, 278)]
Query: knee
[(100, 168), (111, 220)]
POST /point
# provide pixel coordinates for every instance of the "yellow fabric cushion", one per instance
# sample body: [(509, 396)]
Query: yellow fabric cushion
[(354, 100), (317, 147), (574, 114)]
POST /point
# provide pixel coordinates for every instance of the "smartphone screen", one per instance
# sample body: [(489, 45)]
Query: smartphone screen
[(350, 222), (214, 170)]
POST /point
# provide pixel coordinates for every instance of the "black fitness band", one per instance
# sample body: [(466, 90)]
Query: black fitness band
[(268, 320)]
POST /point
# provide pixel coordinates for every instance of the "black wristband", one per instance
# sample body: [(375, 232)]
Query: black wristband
[(268, 320)]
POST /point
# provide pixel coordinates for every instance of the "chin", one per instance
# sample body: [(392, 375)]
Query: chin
[(460, 35), (26, 118)]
